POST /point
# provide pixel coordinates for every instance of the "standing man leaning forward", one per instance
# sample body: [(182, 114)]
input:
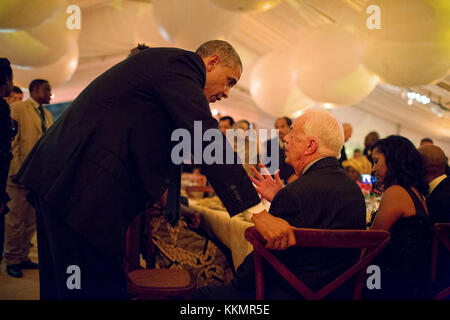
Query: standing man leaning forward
[(110, 153)]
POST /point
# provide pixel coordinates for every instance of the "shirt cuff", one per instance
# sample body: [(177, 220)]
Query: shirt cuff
[(256, 209)]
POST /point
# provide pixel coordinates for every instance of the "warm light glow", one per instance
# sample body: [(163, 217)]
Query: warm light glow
[(328, 105), (215, 112)]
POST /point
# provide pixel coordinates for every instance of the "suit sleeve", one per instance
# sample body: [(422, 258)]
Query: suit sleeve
[(287, 205), (180, 91), (15, 144)]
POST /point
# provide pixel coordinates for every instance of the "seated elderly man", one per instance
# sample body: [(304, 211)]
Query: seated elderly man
[(323, 197)]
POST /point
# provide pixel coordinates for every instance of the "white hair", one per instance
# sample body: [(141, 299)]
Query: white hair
[(323, 126)]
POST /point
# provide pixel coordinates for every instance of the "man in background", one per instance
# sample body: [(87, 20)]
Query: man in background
[(33, 121), (425, 141), (15, 96), (347, 135), (438, 201), (287, 173), (226, 123)]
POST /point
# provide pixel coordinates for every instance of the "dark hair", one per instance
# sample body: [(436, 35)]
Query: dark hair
[(426, 140), (227, 118), (223, 49), (403, 162), (5, 71), (36, 83), (359, 150), (17, 90), (288, 121)]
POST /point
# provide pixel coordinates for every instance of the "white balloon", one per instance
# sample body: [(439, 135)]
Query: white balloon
[(272, 86), (190, 23), (56, 73), (328, 65), (330, 50), (407, 64), (247, 5), (41, 45), (23, 14), (412, 45), (346, 90), (406, 20)]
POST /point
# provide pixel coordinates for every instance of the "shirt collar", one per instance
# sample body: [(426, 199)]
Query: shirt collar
[(310, 164), (434, 183), (34, 103)]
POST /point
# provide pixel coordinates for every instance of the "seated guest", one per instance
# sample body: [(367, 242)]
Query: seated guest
[(226, 123), (324, 197), (438, 200), (250, 149), (356, 153), (405, 262)]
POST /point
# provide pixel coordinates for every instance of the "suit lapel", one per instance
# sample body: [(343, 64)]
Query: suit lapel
[(34, 116)]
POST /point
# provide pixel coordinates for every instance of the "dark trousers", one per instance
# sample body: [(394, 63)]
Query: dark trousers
[(66, 257), (2, 234)]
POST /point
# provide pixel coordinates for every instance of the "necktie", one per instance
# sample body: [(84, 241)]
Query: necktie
[(173, 198), (42, 116)]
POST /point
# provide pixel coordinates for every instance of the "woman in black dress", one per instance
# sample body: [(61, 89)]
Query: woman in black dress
[(6, 135), (405, 262)]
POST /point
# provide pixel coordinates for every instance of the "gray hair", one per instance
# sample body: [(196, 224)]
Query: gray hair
[(322, 125), (226, 52)]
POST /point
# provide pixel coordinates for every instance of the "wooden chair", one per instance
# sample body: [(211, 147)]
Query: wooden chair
[(372, 242), (151, 283), (441, 235)]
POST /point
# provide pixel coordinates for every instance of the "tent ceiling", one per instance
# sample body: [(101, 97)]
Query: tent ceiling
[(260, 33)]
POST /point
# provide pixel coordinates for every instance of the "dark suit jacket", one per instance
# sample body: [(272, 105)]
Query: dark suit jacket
[(343, 155), (5, 148), (110, 151), (438, 202), (323, 198)]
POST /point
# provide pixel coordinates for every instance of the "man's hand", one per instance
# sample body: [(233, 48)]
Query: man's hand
[(266, 186), (276, 231)]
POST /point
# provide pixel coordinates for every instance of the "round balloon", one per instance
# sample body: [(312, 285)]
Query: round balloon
[(56, 73), (407, 64), (247, 5), (406, 20), (331, 50), (23, 14), (41, 45), (346, 90), (272, 86), (190, 23)]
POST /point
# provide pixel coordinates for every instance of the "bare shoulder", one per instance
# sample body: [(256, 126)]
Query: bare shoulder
[(397, 197)]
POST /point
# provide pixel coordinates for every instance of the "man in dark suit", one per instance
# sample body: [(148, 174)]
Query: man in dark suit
[(110, 153), (348, 129), (323, 197), (438, 201), (286, 173)]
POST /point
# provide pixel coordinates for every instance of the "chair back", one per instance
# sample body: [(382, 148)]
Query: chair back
[(441, 235), (372, 242)]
